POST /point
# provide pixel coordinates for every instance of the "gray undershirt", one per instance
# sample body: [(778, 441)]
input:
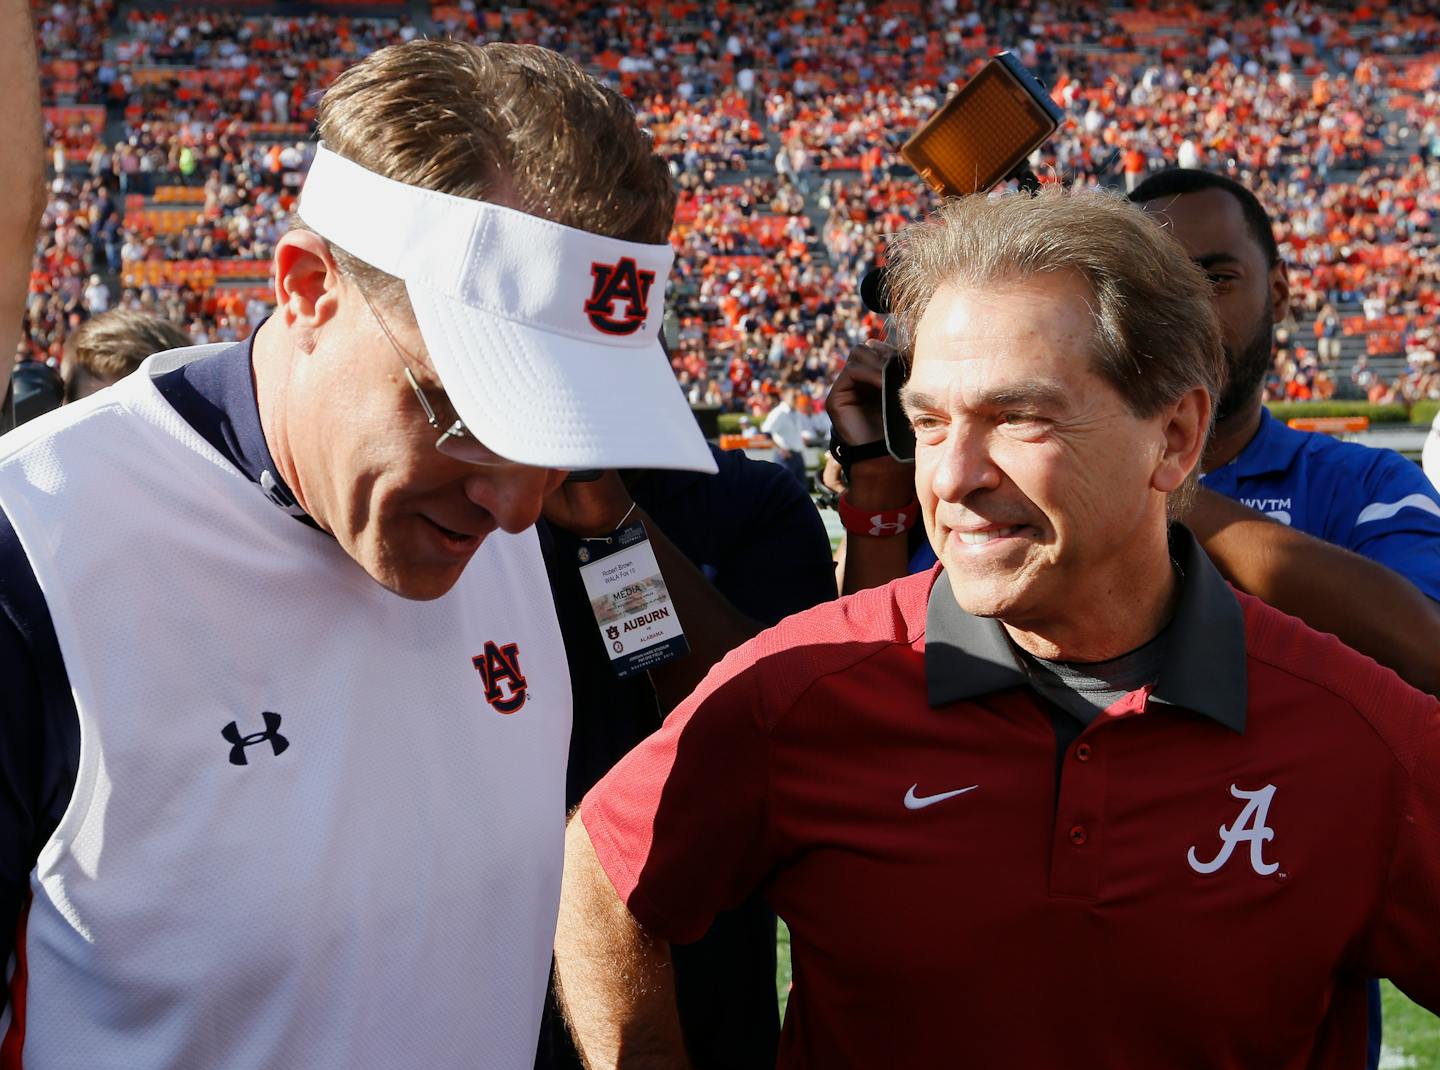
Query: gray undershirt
[(1086, 689)]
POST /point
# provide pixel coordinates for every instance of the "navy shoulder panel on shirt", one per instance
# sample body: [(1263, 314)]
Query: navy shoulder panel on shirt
[(39, 724), (39, 729), (215, 394)]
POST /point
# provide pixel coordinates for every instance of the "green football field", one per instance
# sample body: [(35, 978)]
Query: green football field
[(1412, 1035)]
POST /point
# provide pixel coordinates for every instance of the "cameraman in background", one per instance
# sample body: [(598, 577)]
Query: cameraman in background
[(792, 426)]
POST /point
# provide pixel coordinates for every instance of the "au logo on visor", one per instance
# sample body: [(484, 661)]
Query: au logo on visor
[(622, 284)]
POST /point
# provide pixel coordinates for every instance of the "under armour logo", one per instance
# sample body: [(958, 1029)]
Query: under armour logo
[(1250, 825), (501, 664), (271, 735), (880, 526)]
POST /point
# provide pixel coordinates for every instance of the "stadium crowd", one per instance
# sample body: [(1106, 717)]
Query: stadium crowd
[(783, 127)]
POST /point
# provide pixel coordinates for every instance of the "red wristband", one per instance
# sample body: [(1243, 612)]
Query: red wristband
[(877, 522)]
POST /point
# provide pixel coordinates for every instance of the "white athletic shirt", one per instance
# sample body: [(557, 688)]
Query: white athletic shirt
[(315, 824), (1430, 457)]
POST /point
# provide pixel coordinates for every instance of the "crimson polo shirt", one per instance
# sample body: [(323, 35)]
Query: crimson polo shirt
[(1222, 861)]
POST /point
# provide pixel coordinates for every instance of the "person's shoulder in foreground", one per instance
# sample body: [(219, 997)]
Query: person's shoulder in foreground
[(783, 662), (757, 529), (1309, 661), (750, 528)]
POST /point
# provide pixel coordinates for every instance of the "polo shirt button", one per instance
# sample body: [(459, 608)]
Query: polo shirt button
[(1082, 752), (1078, 835)]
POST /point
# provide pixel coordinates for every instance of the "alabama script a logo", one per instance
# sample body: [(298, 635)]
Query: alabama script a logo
[(499, 667), (1250, 827), (623, 282)]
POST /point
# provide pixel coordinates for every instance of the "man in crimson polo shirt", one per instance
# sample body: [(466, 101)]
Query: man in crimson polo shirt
[(1068, 800)]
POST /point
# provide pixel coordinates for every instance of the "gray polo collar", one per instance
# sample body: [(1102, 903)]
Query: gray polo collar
[(1204, 668)]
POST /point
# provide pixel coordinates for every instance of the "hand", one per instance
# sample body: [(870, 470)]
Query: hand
[(589, 510), (854, 407), (854, 403)]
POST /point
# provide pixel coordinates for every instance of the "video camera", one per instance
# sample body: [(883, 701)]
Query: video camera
[(980, 137), (32, 390)]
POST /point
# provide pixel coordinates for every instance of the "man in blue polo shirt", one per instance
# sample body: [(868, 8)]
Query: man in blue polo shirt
[(1370, 501)]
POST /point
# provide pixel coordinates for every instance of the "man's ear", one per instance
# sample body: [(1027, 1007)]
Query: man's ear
[(307, 279), (1279, 292), (1185, 430)]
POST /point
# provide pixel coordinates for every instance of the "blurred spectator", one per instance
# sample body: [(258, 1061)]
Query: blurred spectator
[(97, 295), (109, 347), (1327, 335), (793, 425)]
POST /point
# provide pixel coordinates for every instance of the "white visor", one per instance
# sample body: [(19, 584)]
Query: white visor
[(545, 337)]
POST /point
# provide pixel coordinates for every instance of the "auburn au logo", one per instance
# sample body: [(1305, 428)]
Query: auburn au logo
[(499, 667), (622, 282)]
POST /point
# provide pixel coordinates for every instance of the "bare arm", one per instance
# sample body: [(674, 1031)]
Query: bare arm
[(873, 561), (1366, 605), (615, 983), (22, 170)]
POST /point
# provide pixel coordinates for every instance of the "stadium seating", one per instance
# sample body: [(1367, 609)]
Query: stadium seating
[(176, 129)]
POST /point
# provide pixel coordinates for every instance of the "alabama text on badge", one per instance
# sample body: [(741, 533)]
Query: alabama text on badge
[(631, 604)]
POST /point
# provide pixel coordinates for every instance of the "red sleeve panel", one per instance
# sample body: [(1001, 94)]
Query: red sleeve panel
[(679, 826), (1402, 940), (1404, 943)]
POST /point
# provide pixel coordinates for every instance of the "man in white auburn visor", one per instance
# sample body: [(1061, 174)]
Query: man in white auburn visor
[(284, 729)]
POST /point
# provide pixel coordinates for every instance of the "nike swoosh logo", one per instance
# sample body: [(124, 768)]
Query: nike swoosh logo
[(1385, 510), (919, 802)]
